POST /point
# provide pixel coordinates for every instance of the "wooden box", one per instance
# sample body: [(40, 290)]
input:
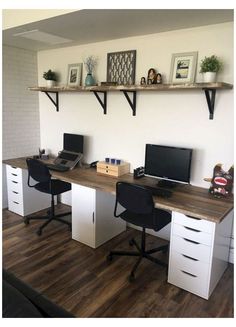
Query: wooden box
[(112, 170)]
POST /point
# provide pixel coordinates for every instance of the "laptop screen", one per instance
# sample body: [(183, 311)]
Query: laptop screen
[(73, 143)]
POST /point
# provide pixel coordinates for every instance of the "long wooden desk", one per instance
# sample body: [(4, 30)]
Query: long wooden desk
[(187, 199), (200, 228)]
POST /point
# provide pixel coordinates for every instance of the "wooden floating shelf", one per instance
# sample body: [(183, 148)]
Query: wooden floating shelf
[(154, 87), (208, 88)]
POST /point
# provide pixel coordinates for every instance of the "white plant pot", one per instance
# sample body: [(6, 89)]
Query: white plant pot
[(50, 83), (209, 77)]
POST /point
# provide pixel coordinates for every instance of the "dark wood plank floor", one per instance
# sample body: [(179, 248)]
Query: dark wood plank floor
[(80, 280)]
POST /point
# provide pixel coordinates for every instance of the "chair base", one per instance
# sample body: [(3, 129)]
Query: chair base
[(141, 253), (48, 219)]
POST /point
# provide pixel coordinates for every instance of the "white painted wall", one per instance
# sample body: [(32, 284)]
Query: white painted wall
[(178, 118), (20, 108)]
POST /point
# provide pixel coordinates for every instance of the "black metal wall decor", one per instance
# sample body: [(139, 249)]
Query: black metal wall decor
[(121, 67)]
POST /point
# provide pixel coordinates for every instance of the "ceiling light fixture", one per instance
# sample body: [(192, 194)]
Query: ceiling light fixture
[(43, 37), (25, 32)]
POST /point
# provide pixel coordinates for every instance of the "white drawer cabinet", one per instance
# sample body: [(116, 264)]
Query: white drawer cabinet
[(191, 248), (192, 234), (199, 252), (189, 273), (93, 222), (22, 199), (14, 173), (195, 223), (190, 282)]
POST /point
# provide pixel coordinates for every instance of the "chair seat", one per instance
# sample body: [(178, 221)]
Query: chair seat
[(57, 187), (157, 221)]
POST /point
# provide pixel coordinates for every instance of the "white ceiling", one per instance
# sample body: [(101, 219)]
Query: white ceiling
[(96, 25)]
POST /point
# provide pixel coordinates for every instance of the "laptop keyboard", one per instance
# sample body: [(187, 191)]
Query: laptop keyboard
[(67, 156), (57, 167)]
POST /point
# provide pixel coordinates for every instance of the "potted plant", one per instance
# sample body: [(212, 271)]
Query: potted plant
[(50, 77), (90, 63), (209, 67)]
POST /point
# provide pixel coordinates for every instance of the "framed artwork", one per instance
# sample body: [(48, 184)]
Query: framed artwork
[(121, 67), (74, 74), (183, 67)]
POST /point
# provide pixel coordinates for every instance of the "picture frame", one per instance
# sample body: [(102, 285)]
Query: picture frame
[(74, 74), (121, 67), (183, 67)]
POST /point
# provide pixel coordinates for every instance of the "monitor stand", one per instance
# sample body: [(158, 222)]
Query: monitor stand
[(166, 183)]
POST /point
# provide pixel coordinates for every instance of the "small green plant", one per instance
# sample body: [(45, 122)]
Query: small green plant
[(50, 75), (210, 64)]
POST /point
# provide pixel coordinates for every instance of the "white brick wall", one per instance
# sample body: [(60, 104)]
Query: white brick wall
[(20, 116), (21, 128)]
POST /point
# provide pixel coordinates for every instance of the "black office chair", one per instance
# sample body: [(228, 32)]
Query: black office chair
[(140, 211), (40, 173)]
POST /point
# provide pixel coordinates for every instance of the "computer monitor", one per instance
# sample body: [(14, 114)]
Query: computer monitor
[(73, 143), (171, 164)]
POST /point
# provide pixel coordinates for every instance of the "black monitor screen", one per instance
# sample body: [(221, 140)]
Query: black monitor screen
[(168, 162), (73, 142)]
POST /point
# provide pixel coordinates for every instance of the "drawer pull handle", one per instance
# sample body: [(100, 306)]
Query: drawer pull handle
[(15, 202), (186, 256), (186, 239), (14, 174), (194, 217), (15, 192), (15, 182), (13, 167), (192, 229), (187, 273)]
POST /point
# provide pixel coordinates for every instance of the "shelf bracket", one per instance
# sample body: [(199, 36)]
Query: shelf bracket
[(103, 102), (55, 102), (210, 97), (131, 103)]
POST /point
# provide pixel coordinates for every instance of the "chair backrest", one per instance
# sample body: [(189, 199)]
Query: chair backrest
[(134, 198), (38, 171)]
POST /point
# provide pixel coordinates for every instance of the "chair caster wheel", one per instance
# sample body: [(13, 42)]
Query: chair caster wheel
[(131, 278), (131, 243), (109, 258), (26, 221), (39, 232)]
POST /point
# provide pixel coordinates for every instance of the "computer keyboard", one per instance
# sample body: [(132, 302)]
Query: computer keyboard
[(67, 156), (57, 167), (158, 191)]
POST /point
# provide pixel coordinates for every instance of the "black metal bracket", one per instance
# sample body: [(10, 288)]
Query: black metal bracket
[(55, 102), (210, 97), (131, 103), (103, 102)]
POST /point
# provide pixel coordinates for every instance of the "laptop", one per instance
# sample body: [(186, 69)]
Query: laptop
[(72, 151)]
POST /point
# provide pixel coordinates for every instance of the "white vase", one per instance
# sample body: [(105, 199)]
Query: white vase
[(50, 83), (209, 77)]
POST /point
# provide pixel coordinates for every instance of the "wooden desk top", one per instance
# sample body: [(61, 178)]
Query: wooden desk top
[(187, 199)]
